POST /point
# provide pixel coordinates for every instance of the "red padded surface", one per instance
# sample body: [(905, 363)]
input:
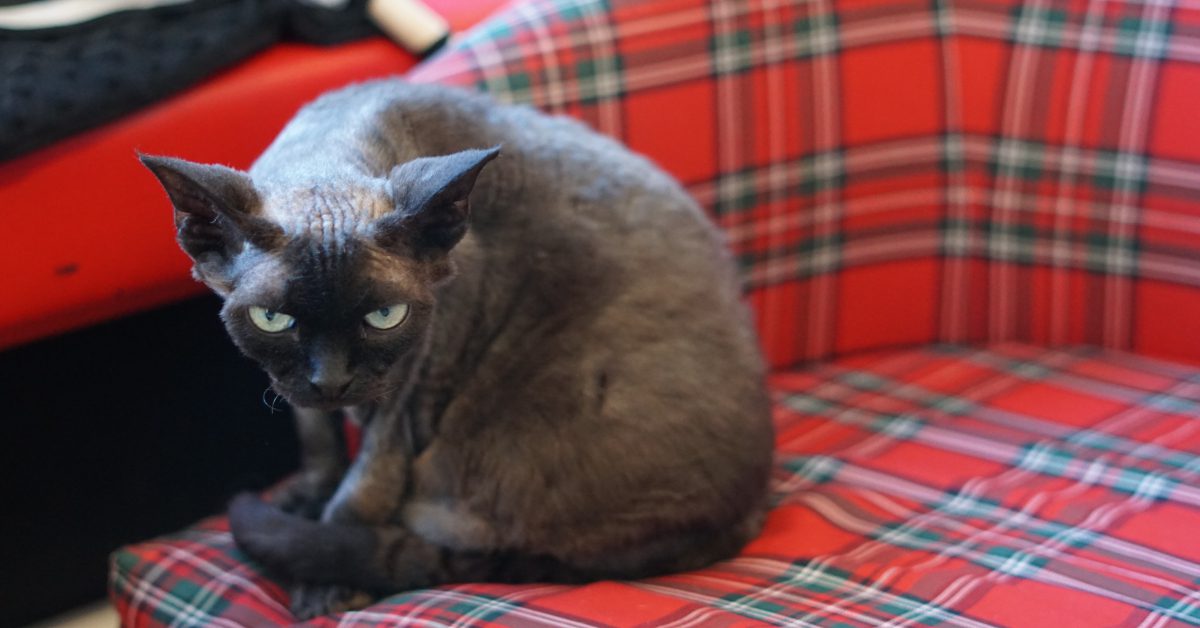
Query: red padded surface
[(85, 232)]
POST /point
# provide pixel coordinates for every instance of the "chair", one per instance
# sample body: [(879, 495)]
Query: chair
[(970, 232)]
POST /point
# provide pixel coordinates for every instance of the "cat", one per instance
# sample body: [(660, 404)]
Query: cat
[(540, 332)]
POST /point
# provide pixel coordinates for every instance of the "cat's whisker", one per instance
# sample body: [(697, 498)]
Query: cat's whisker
[(270, 404), (387, 392)]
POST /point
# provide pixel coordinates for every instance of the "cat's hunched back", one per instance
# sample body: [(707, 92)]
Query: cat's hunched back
[(580, 394)]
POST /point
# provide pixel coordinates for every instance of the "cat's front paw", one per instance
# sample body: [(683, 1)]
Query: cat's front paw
[(314, 600), (305, 494), (262, 531)]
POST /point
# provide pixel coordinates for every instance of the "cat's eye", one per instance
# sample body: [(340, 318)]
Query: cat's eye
[(387, 317), (270, 321)]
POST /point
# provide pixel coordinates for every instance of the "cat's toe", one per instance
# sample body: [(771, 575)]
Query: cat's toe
[(305, 494), (314, 600)]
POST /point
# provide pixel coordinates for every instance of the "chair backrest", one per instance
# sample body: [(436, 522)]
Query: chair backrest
[(893, 173)]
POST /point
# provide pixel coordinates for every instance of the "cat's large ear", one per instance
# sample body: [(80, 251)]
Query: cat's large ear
[(430, 195), (215, 214)]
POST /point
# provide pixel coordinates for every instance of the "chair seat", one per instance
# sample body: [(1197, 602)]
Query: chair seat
[(1009, 485)]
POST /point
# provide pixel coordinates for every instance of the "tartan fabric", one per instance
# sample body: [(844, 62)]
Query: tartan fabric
[(895, 173), (1013, 485)]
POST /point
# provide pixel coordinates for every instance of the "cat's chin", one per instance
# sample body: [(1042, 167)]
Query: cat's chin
[(316, 402), (323, 404)]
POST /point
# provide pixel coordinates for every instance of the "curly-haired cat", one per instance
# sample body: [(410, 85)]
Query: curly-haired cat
[(543, 339)]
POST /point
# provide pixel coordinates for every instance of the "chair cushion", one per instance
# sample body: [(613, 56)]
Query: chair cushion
[(1010, 485), (982, 171)]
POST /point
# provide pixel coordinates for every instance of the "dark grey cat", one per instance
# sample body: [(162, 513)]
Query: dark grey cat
[(557, 382)]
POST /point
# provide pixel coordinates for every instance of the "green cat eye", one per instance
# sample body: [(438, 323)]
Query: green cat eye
[(270, 321), (387, 317)]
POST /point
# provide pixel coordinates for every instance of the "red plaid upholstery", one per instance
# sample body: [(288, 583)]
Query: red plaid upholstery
[(899, 179), (894, 172)]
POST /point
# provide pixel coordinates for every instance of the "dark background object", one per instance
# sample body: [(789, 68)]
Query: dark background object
[(118, 433), (319, 25), (56, 82), (60, 81)]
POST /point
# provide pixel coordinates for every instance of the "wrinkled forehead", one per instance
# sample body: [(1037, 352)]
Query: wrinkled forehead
[(328, 209), (325, 281), (329, 258), (310, 276)]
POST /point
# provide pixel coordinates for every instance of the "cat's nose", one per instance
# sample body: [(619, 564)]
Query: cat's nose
[(330, 383), (331, 374)]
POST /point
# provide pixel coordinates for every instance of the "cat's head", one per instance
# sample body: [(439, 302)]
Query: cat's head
[(327, 285)]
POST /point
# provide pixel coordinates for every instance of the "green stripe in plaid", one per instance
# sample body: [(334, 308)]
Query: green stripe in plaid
[(938, 486)]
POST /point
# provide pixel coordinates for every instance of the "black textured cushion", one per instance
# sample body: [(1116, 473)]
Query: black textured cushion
[(59, 81)]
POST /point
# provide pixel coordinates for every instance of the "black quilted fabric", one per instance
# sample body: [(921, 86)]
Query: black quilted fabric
[(57, 82)]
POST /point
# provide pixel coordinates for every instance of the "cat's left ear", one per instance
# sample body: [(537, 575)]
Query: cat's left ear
[(431, 200)]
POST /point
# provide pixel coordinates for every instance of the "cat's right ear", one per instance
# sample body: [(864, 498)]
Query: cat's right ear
[(215, 215)]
